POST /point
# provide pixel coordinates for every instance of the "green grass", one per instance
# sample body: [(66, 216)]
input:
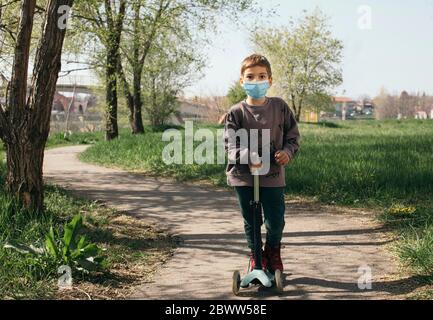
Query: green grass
[(21, 277), (132, 249), (364, 162), (385, 165), (414, 228), (416, 250), (58, 139), (372, 164), (143, 153)]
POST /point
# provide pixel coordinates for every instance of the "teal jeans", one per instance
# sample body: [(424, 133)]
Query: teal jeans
[(272, 199)]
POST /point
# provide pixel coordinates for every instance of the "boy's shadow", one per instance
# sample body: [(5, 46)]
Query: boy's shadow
[(393, 287)]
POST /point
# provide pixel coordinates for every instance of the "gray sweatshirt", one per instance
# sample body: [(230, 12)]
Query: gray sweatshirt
[(275, 115)]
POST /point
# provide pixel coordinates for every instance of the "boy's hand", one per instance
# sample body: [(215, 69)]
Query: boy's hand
[(282, 157), (255, 167), (255, 162)]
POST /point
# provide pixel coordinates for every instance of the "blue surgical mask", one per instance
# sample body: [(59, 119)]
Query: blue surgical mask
[(256, 90)]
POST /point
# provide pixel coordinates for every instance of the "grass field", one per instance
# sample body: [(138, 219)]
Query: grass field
[(386, 165), (364, 162)]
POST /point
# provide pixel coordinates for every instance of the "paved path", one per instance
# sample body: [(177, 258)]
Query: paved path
[(323, 246)]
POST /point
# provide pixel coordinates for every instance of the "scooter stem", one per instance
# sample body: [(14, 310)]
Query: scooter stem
[(256, 188), (257, 213), (256, 174)]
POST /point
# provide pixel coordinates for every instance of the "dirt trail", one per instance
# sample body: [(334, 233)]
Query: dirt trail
[(323, 246)]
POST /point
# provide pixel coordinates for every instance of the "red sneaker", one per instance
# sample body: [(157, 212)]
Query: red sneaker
[(253, 262), (274, 257)]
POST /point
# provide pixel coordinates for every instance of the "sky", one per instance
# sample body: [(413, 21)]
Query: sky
[(394, 51)]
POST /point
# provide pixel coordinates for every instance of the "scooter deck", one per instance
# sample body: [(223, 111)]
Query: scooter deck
[(264, 277)]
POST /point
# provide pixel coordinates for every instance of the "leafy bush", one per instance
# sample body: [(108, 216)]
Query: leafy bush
[(72, 250)]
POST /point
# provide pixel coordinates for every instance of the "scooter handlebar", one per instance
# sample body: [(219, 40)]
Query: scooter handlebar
[(255, 159)]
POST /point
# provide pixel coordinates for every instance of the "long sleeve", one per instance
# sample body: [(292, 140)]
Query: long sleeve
[(237, 152), (291, 133)]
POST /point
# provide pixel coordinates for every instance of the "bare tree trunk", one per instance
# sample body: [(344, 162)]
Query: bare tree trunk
[(299, 113), (155, 118), (26, 125), (137, 125), (115, 28), (296, 109), (137, 70), (140, 52), (24, 178), (112, 130), (22, 160), (128, 96), (133, 100)]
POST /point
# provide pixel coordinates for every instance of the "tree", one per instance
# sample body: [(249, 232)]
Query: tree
[(319, 102), (305, 58), (137, 44), (144, 21), (102, 21), (171, 66), (177, 19), (25, 119), (236, 93), (387, 105), (145, 40), (9, 21)]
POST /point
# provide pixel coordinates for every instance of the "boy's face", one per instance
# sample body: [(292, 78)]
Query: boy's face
[(256, 73)]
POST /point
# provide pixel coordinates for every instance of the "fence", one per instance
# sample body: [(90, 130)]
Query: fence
[(91, 122)]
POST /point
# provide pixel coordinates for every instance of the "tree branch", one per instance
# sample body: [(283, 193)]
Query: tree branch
[(18, 82), (67, 72)]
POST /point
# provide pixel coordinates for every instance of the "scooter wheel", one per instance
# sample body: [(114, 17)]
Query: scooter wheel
[(279, 281), (236, 283)]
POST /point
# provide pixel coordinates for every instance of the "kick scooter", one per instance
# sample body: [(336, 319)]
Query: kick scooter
[(258, 275)]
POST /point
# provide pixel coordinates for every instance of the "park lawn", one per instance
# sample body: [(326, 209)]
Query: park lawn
[(56, 140), (385, 165), (132, 248), (365, 162)]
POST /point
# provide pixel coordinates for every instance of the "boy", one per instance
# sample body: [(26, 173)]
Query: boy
[(261, 112)]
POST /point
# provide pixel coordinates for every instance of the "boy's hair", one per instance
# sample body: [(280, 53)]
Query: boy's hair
[(256, 60)]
